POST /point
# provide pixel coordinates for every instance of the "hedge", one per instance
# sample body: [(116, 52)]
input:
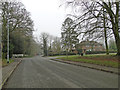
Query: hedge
[(62, 53), (99, 52), (87, 52)]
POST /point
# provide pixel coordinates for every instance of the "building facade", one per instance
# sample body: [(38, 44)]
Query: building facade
[(90, 46)]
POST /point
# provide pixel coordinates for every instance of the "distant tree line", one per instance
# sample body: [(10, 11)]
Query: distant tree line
[(50, 44)]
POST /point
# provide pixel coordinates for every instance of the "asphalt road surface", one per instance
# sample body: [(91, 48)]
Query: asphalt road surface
[(39, 72)]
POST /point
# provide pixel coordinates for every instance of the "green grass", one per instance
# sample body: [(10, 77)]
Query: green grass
[(4, 62), (99, 55), (92, 61)]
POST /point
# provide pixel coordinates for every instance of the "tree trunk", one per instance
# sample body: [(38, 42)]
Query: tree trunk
[(105, 33), (4, 36), (116, 35), (117, 40), (115, 26), (67, 53)]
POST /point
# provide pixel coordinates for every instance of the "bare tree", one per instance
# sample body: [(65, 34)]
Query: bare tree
[(105, 32), (50, 40), (19, 20), (56, 46), (91, 20), (69, 35), (44, 41)]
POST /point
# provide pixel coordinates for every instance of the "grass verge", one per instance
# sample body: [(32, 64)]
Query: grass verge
[(103, 60), (4, 62)]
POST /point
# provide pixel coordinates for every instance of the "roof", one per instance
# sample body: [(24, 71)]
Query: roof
[(89, 43)]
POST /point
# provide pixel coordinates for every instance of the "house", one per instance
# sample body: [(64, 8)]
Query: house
[(90, 46)]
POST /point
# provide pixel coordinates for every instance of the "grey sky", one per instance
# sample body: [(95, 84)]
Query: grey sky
[(47, 15)]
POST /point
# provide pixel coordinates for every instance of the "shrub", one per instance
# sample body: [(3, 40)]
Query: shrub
[(98, 52), (62, 53)]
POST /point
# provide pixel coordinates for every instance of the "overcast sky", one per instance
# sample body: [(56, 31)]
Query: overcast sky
[(47, 15)]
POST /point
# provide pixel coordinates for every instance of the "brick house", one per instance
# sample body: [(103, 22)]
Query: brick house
[(90, 46)]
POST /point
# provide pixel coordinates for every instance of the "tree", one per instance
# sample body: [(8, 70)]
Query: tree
[(90, 20), (17, 40), (114, 15), (18, 18), (51, 45), (44, 40), (105, 32), (56, 46), (50, 40), (112, 45), (69, 35)]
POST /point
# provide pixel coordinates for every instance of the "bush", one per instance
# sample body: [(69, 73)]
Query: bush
[(62, 53), (98, 52)]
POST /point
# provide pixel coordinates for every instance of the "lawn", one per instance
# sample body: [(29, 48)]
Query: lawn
[(4, 62), (104, 60)]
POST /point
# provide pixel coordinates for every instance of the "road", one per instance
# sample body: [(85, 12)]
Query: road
[(40, 72)]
